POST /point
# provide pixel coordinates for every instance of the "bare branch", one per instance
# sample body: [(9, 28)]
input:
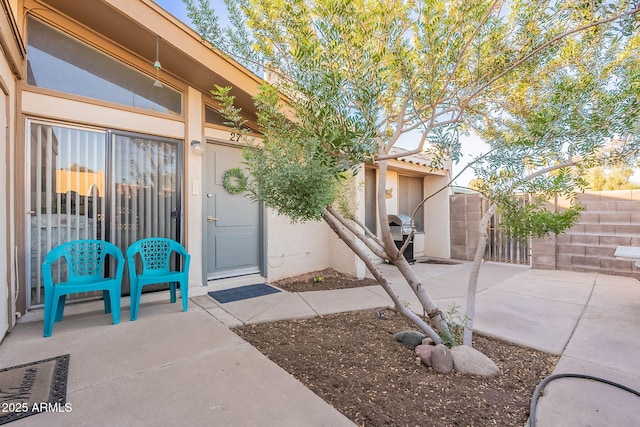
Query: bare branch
[(476, 160), (377, 274), (377, 251), (368, 232), (400, 124), (545, 171)]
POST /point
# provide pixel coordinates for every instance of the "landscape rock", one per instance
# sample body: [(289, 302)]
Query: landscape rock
[(468, 360), (441, 359), (428, 341), (424, 353), (410, 338)]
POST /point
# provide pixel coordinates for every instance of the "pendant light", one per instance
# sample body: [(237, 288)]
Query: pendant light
[(157, 65)]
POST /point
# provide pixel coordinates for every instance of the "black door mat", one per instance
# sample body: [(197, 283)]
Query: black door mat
[(33, 388), (243, 292)]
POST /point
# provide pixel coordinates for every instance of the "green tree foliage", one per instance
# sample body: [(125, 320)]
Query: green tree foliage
[(595, 178), (543, 82), (600, 178), (476, 184)]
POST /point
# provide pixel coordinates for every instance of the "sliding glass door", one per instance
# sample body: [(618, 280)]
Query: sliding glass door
[(97, 184), (144, 191)]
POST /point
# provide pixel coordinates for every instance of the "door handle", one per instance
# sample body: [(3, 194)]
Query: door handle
[(211, 219)]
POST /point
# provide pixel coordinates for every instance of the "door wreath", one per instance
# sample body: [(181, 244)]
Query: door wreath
[(234, 181)]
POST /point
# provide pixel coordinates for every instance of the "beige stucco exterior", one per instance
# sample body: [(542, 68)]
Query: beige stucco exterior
[(301, 248), (434, 240), (127, 30), (11, 71)]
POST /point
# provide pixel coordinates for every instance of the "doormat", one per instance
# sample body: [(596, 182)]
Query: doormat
[(243, 292), (33, 388)]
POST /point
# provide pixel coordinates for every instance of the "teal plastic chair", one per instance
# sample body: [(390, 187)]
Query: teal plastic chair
[(155, 254), (85, 260)]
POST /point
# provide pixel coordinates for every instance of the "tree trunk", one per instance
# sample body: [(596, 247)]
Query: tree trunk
[(473, 276), (396, 257), (377, 274)]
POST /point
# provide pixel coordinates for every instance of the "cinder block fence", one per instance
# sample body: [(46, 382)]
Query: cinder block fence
[(610, 219), (464, 220)]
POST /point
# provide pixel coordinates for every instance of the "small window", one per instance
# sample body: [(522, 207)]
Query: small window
[(59, 62), (212, 116)]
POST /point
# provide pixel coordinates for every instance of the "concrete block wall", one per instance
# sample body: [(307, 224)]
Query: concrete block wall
[(610, 219), (464, 216)]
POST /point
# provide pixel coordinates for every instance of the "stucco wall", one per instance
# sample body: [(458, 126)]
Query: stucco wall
[(5, 233), (304, 247), (8, 119), (193, 187), (436, 238), (434, 241)]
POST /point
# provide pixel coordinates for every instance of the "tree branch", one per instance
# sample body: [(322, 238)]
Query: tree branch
[(377, 251), (476, 160), (464, 49), (480, 250), (377, 274), (549, 43)]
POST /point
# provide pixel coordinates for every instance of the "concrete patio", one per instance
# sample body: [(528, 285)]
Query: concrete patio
[(174, 368)]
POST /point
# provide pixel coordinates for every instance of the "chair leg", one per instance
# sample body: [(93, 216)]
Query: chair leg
[(184, 293), (107, 301), (132, 297), (52, 316), (62, 299), (49, 315), (135, 302), (114, 298), (172, 291)]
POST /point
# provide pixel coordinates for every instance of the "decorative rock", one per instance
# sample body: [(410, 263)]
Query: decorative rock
[(410, 338), (468, 360), (428, 341), (423, 351), (441, 359)]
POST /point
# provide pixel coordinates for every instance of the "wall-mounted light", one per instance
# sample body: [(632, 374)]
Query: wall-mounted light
[(196, 147)]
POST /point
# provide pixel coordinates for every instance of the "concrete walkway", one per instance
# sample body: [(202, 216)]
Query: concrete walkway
[(173, 368)]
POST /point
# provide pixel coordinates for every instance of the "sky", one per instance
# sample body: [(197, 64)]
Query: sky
[(176, 8), (179, 10), (471, 146)]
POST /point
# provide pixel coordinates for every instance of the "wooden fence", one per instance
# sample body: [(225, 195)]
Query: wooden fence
[(501, 245)]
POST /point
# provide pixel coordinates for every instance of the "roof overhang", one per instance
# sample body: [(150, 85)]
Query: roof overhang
[(410, 168), (135, 25), (415, 164)]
